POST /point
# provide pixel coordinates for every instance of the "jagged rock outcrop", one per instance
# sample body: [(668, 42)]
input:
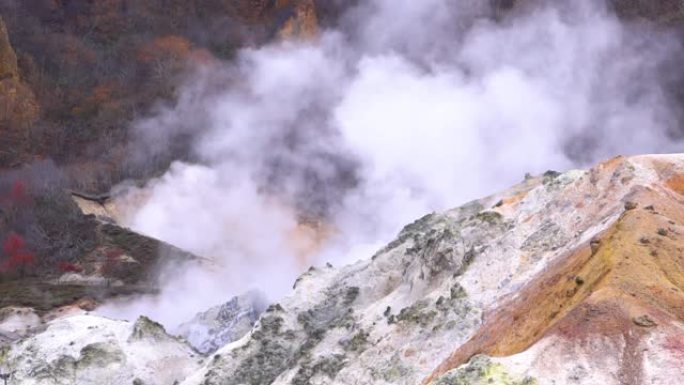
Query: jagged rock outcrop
[(566, 278), (378, 321), (212, 329)]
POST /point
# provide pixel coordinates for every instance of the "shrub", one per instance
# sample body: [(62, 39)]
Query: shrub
[(13, 244), (17, 256)]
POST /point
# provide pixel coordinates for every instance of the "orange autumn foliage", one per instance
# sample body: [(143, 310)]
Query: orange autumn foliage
[(164, 48)]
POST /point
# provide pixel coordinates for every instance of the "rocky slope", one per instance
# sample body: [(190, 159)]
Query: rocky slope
[(572, 278), (608, 310)]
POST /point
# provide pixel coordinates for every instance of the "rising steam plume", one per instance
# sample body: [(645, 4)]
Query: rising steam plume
[(317, 151)]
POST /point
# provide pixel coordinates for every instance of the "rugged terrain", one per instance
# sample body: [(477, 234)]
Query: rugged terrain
[(75, 75), (566, 278)]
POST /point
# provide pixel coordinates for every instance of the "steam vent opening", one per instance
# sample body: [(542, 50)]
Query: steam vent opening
[(328, 192)]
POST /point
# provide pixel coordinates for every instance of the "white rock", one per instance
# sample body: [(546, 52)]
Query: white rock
[(86, 349), (220, 325)]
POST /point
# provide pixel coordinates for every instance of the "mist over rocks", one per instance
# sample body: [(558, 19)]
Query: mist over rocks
[(482, 293), (494, 281), (340, 170), (499, 290), (315, 151)]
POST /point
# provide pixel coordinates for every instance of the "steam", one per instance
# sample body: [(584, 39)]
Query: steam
[(308, 152)]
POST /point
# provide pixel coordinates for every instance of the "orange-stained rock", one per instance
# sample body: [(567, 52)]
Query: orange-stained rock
[(624, 285), (676, 183)]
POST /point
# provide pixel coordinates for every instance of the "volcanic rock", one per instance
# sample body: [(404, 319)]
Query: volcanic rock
[(210, 330), (551, 286)]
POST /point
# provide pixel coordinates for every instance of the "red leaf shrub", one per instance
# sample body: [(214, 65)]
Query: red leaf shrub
[(18, 262), (17, 255), (22, 259), (13, 244)]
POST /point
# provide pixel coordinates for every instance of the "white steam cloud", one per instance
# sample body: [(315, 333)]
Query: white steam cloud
[(320, 151)]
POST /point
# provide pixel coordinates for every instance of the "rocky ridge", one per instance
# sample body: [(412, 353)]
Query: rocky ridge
[(566, 278), (485, 286)]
